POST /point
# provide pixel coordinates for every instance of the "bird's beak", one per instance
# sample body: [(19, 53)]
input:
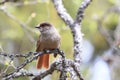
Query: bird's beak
[(37, 27)]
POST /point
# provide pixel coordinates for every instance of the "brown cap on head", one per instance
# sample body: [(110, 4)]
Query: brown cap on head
[(43, 25)]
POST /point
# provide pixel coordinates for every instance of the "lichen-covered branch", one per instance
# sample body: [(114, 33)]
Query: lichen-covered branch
[(69, 66), (30, 57), (81, 10), (75, 28), (12, 74), (62, 12), (74, 25), (16, 55)]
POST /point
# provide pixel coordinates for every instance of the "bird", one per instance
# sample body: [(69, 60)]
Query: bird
[(49, 39)]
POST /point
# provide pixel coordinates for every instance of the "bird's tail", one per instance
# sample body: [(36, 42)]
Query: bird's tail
[(43, 61)]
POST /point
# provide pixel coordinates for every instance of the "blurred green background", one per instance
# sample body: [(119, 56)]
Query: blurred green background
[(18, 34)]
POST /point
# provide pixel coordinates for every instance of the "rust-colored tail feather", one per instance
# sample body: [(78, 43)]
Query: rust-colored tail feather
[(43, 61)]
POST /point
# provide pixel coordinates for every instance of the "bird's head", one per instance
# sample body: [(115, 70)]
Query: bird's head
[(43, 27)]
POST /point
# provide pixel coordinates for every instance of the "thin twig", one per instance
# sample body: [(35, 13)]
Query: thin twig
[(16, 55), (104, 31), (80, 13), (22, 24)]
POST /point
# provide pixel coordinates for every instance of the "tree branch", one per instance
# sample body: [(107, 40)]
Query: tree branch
[(62, 12), (52, 68), (75, 28), (74, 25), (81, 10), (28, 60)]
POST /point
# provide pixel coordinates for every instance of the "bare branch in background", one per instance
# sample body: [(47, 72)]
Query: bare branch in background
[(25, 27), (4, 1), (112, 56), (117, 31), (22, 3), (105, 33)]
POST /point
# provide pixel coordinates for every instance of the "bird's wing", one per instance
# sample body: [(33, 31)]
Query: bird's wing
[(38, 46)]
